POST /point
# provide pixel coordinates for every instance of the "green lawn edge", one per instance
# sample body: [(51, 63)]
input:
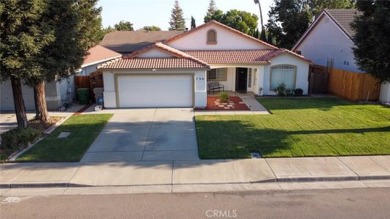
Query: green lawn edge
[(297, 127), (84, 130)]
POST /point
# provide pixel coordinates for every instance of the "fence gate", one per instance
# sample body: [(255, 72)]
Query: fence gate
[(318, 79)]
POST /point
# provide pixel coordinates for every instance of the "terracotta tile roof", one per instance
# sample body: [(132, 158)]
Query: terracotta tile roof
[(174, 52), (130, 41), (223, 26), (261, 56), (344, 18), (231, 56), (98, 54), (280, 51), (153, 63)]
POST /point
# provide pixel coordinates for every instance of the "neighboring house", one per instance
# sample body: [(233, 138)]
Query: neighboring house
[(126, 42), (96, 56), (176, 71), (57, 91), (329, 41)]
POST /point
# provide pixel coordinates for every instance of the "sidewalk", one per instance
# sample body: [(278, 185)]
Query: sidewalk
[(195, 173)]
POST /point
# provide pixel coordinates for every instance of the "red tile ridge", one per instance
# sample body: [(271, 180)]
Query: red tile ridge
[(166, 48)]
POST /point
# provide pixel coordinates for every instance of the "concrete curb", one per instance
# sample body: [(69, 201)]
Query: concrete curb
[(280, 180)]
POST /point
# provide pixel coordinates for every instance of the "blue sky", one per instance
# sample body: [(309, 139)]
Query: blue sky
[(157, 12)]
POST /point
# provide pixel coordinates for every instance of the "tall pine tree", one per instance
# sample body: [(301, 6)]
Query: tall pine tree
[(177, 21), (212, 11), (193, 23)]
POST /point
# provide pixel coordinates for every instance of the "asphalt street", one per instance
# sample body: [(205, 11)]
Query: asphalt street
[(338, 203)]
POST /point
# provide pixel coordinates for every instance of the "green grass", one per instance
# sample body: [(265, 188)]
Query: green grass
[(84, 130), (298, 127)]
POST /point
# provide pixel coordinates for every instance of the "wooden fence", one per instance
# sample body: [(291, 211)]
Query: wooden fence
[(352, 85), (92, 81), (82, 82)]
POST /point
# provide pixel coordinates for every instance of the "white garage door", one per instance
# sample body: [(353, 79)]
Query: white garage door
[(155, 91)]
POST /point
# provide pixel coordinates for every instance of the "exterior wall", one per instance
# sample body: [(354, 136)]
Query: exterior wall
[(54, 93), (260, 80), (7, 99), (385, 93), (66, 85), (109, 93), (86, 71), (302, 72), (155, 53), (226, 39), (327, 41), (200, 88)]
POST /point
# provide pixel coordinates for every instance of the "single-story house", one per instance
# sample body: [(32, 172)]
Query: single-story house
[(96, 56), (329, 41), (176, 71), (57, 91)]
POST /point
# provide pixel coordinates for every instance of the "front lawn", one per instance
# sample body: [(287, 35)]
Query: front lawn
[(84, 130), (298, 127)]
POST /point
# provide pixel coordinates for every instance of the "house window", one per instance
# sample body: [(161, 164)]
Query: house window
[(283, 74), (250, 78), (211, 37), (219, 74)]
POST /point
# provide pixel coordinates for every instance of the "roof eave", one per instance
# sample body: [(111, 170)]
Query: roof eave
[(152, 69), (97, 62), (308, 31)]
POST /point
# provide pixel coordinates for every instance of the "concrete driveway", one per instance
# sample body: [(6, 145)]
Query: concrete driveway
[(146, 135)]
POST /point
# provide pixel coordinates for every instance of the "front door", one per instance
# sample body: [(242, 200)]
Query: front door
[(241, 79)]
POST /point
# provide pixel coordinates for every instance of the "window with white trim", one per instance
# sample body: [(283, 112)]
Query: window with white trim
[(283, 74), (219, 74)]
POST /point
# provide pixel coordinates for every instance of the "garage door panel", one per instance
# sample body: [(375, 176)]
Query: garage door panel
[(155, 91)]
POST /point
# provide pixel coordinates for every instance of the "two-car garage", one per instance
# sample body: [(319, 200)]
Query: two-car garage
[(160, 77), (153, 90)]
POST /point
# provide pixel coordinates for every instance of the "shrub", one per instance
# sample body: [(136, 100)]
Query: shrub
[(224, 97), (298, 92), (289, 92), (17, 139), (281, 90)]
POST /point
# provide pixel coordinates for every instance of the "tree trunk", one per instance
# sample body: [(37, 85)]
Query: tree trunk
[(37, 111), (20, 109), (40, 102)]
